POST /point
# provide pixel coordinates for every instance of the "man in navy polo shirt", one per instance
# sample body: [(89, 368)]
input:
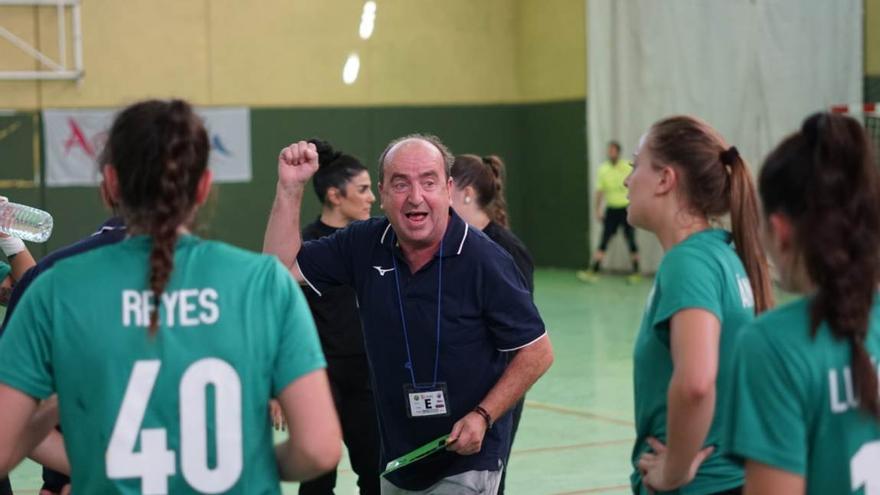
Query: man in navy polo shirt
[(441, 304)]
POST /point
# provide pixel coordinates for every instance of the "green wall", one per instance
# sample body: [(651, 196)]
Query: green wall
[(872, 89), (543, 145)]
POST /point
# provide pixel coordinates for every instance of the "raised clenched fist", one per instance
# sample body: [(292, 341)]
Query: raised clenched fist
[(296, 164)]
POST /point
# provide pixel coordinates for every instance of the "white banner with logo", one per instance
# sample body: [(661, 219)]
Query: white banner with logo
[(73, 139)]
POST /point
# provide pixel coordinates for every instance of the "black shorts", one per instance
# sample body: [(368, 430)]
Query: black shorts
[(615, 218)]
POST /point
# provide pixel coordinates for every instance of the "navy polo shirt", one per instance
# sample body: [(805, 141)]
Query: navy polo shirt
[(486, 310)]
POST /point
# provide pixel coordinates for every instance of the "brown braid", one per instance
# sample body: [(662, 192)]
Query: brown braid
[(824, 179), (160, 151)]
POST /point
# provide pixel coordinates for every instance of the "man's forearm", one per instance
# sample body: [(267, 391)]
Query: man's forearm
[(283, 237), (523, 371)]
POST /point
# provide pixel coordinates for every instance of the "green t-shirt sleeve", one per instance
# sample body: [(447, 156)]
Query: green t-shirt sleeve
[(767, 418), (687, 280), (26, 345), (299, 349)]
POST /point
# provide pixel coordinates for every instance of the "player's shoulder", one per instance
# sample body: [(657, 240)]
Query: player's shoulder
[(708, 246), (785, 323), (482, 251), (74, 261), (373, 227), (232, 261)]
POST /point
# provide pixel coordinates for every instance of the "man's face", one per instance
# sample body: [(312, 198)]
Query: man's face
[(415, 192), (613, 153)]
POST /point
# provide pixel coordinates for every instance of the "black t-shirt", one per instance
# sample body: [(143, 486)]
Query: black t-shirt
[(335, 311), (515, 247)]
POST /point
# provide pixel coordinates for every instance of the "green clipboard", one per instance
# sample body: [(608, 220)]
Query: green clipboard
[(417, 454)]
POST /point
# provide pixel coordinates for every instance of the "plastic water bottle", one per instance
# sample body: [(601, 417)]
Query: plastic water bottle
[(25, 222)]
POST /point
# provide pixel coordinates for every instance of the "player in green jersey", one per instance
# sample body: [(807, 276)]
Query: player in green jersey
[(165, 349), (805, 414), (709, 284)]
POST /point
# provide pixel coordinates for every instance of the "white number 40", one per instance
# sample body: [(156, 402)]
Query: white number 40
[(155, 462), (863, 468)]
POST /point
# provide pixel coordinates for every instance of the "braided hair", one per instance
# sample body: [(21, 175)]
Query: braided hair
[(159, 150)]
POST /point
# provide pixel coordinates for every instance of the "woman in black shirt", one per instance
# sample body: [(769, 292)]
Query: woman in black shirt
[(478, 198)]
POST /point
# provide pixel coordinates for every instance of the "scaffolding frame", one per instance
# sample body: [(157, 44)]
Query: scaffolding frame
[(54, 70)]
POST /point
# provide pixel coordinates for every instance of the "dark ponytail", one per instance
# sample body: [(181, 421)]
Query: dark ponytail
[(159, 150), (824, 180), (486, 175), (716, 181)]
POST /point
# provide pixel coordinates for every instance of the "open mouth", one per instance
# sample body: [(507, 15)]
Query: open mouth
[(416, 217)]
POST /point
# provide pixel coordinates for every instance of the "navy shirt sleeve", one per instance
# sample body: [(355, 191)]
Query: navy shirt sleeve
[(509, 311), (329, 261)]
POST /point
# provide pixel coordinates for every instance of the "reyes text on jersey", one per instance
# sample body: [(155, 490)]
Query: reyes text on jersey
[(184, 307)]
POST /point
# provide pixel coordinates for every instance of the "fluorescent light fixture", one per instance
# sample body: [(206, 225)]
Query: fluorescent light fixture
[(368, 20), (351, 69)]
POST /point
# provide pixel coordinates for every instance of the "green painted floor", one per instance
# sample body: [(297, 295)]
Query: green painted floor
[(576, 431)]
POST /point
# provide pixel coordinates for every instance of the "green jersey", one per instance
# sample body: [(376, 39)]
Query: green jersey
[(701, 272), (182, 411), (793, 406)]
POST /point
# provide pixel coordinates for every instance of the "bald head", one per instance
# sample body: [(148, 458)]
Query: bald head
[(424, 145)]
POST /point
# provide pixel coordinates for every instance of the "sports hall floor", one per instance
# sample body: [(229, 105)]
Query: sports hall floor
[(577, 430)]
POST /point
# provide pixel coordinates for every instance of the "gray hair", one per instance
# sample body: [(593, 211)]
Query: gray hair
[(448, 157)]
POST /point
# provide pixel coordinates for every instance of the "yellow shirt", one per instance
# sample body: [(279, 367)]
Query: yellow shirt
[(610, 180)]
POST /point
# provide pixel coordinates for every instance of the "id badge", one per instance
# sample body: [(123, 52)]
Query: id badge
[(426, 401)]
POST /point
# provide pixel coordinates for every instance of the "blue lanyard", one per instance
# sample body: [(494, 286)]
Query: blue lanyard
[(409, 363)]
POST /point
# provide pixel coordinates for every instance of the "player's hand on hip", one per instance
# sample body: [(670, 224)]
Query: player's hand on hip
[(296, 164), (467, 435)]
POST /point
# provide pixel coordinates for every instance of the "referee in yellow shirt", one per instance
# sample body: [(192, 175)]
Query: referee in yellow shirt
[(612, 192)]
